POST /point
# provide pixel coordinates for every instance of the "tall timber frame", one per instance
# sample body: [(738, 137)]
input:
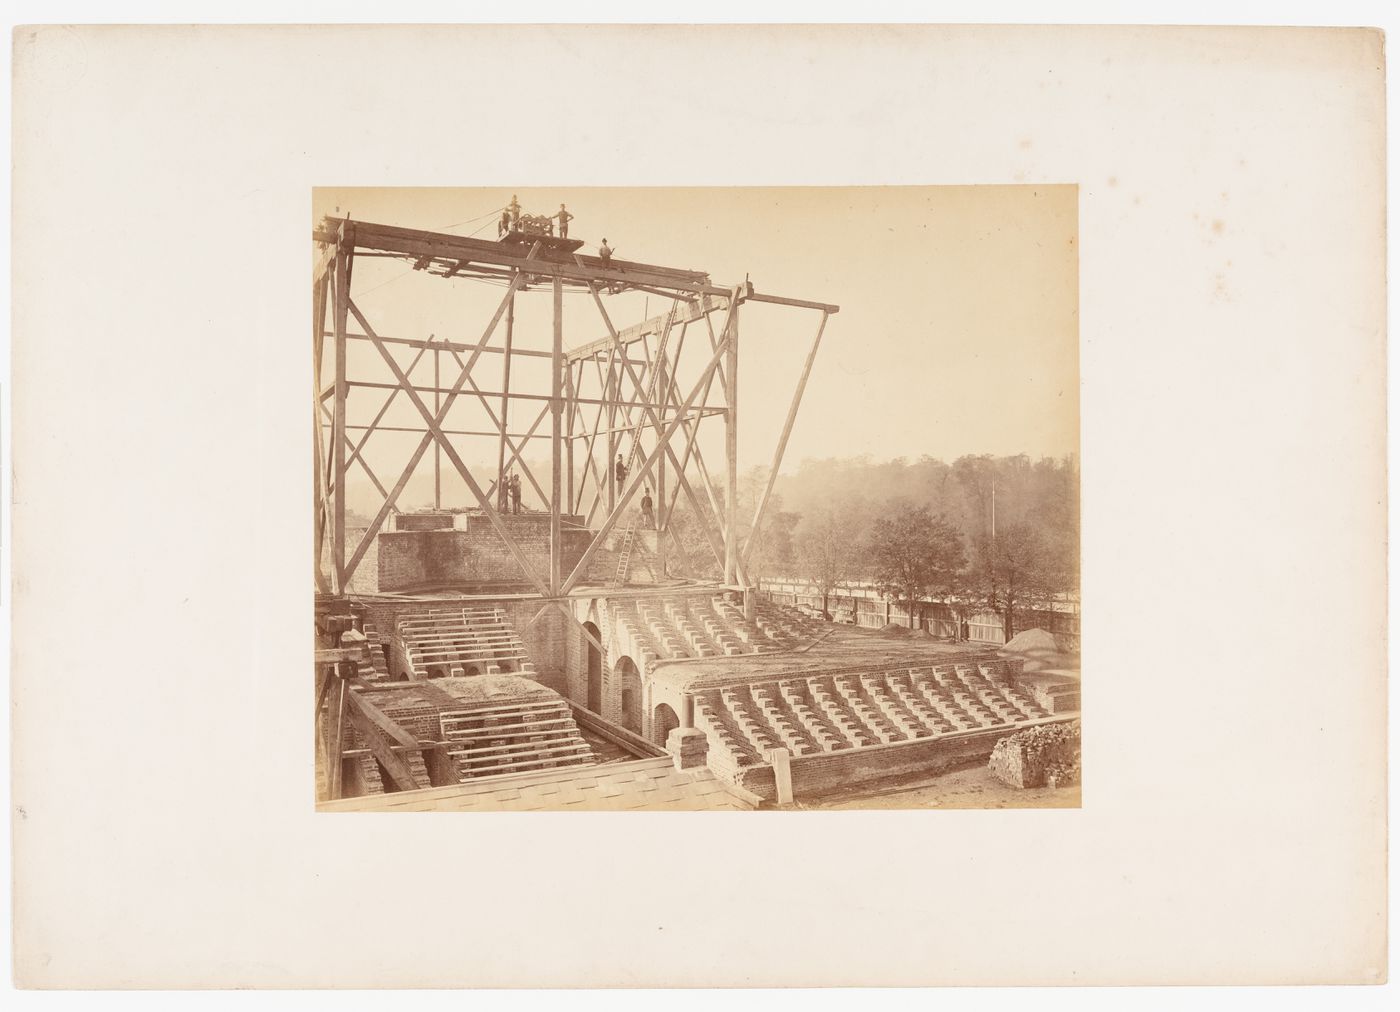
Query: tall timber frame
[(623, 392)]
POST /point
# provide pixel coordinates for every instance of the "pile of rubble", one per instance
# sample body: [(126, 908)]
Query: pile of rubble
[(1038, 757)]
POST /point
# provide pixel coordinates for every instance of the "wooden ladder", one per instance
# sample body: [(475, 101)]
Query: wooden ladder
[(624, 560)]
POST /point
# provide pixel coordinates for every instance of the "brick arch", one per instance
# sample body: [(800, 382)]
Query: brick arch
[(594, 681), (663, 722), (629, 682)]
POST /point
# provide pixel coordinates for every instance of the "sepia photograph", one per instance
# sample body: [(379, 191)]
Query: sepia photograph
[(696, 499), (732, 447)]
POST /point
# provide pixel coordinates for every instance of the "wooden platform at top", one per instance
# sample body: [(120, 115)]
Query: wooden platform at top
[(454, 255), (450, 256), (524, 240)]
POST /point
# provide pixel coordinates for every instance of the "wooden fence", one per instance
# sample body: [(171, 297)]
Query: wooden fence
[(864, 606)]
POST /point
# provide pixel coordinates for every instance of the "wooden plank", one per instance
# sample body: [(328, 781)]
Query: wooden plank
[(731, 452), (457, 346), (588, 270), (386, 724), (409, 241), (630, 335), (322, 507), (796, 303), (505, 399), (634, 482), (335, 655), (323, 263), (493, 433), (424, 388), (783, 439), (435, 431), (556, 411), (570, 426), (361, 713), (388, 402), (518, 450), (428, 437), (681, 477), (336, 745), (437, 406), (342, 390)]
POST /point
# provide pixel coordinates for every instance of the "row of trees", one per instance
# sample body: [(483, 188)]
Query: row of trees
[(982, 532)]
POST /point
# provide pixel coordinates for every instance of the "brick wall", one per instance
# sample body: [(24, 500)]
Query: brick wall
[(816, 775), (545, 641), (475, 557), (423, 522)]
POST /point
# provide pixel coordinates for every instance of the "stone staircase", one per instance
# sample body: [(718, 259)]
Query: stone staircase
[(458, 642), (825, 713), (513, 737)]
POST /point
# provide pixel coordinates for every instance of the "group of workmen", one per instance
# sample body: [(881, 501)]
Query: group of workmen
[(510, 223), (509, 499), (648, 507), (510, 219)]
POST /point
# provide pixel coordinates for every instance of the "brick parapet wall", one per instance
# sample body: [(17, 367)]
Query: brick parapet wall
[(410, 560), (816, 775), (545, 642)]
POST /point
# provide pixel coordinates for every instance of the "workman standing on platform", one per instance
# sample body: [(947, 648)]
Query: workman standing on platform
[(620, 469), (648, 517), (504, 226), (564, 218), (515, 493), (514, 208), (605, 253)]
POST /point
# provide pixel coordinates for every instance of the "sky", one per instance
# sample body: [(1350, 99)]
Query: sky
[(957, 333)]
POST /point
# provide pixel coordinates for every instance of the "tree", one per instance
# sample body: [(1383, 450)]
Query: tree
[(774, 552), (915, 555), (1018, 567), (825, 553)]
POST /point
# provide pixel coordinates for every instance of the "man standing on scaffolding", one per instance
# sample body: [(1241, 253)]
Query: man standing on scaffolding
[(564, 218)]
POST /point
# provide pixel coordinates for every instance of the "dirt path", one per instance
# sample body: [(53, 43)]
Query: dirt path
[(967, 788)]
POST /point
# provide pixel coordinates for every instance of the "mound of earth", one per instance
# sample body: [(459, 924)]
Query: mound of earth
[(895, 630), (1037, 650), (1031, 641)]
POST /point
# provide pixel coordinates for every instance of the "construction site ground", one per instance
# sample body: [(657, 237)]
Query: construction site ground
[(970, 787)]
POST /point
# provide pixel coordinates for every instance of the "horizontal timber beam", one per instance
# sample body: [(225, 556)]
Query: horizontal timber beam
[(777, 300), (447, 345), (512, 395), (685, 313), (494, 434), (416, 244)]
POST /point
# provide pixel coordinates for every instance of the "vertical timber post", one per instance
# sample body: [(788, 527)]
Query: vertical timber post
[(437, 447), (657, 510), (556, 409), (731, 447), (502, 491), (610, 398), (572, 396), (342, 311), (317, 348)]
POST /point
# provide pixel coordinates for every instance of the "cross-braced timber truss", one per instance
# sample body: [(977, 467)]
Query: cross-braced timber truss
[(625, 393)]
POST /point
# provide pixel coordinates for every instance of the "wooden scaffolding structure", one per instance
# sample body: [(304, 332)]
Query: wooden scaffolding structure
[(624, 389)]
